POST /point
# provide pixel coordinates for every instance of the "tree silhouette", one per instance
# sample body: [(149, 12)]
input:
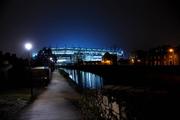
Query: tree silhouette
[(45, 57)]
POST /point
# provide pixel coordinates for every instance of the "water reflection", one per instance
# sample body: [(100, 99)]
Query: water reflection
[(85, 79)]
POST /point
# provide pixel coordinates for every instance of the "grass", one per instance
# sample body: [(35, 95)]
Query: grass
[(12, 101)]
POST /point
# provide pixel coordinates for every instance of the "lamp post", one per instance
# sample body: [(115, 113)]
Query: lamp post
[(171, 56), (28, 47)]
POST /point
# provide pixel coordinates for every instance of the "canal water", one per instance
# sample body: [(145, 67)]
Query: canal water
[(89, 80), (84, 79), (127, 104)]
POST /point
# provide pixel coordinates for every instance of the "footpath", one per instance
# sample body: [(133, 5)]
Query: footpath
[(58, 102)]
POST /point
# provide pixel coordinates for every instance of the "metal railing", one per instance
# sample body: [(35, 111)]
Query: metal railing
[(97, 105)]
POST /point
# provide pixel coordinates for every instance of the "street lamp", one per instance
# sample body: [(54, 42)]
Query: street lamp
[(28, 47), (171, 50), (171, 56)]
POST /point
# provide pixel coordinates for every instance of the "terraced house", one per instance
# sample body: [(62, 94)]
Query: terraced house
[(162, 55)]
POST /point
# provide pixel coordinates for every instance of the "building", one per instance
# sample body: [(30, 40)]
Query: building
[(109, 59), (138, 57), (178, 54), (85, 55), (162, 55)]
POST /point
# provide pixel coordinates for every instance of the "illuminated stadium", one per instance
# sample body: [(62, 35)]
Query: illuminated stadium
[(72, 55)]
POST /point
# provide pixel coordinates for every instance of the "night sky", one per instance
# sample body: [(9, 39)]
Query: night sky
[(128, 24)]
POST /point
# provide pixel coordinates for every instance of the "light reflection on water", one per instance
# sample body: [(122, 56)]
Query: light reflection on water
[(85, 79)]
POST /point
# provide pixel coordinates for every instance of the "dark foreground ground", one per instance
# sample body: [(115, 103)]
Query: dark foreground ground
[(145, 103), (12, 102)]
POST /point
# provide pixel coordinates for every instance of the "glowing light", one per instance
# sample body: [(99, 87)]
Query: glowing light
[(138, 60), (61, 60), (171, 50), (108, 62), (51, 59), (28, 46), (34, 55), (132, 60)]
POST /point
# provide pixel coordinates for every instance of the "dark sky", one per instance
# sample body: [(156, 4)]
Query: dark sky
[(128, 24)]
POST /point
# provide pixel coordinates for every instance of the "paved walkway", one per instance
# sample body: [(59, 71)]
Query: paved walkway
[(56, 103)]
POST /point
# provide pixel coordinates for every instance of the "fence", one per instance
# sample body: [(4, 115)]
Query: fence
[(102, 105)]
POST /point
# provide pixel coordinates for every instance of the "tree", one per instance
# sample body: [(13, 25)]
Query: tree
[(45, 57)]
